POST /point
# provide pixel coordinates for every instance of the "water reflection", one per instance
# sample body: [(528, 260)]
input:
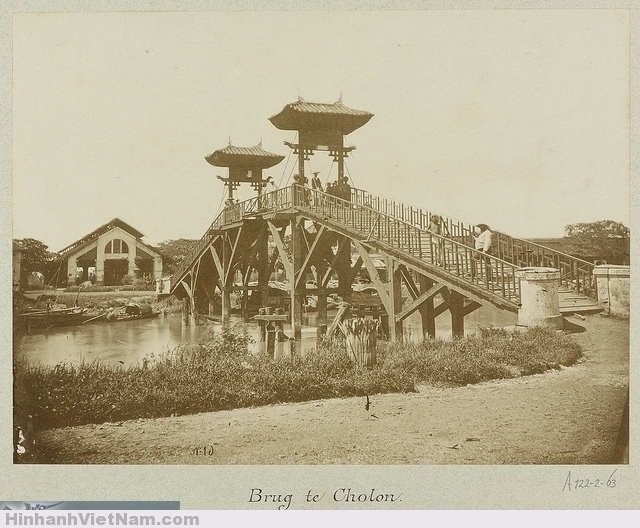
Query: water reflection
[(131, 341)]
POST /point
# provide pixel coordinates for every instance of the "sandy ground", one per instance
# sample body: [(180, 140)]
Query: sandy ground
[(570, 416)]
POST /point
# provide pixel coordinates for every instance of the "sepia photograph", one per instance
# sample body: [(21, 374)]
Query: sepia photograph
[(322, 238)]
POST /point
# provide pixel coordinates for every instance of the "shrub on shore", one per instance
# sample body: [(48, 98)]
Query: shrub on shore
[(221, 373)]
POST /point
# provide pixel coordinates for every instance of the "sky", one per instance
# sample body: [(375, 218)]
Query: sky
[(515, 118)]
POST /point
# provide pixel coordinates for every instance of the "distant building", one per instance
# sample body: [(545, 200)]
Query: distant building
[(18, 250), (108, 254)]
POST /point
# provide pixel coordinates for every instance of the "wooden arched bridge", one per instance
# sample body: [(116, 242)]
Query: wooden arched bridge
[(313, 234), (324, 240)]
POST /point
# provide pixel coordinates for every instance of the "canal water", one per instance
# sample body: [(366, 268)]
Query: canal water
[(130, 342)]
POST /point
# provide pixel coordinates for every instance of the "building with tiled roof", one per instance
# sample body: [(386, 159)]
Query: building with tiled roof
[(111, 252)]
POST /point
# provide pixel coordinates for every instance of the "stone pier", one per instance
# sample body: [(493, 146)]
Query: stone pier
[(539, 297), (613, 285)]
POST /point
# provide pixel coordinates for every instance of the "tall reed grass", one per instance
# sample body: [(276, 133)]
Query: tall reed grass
[(221, 373)]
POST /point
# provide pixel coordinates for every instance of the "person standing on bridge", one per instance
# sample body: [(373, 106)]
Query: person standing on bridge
[(271, 189), (316, 185), (482, 245), (438, 227)]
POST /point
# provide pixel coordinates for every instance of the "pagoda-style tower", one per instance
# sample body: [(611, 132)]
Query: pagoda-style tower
[(320, 126), (245, 165)]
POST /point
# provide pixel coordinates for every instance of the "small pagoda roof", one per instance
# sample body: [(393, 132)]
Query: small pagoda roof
[(303, 115), (232, 156)]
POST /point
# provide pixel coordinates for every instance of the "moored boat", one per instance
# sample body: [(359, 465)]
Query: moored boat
[(54, 317)]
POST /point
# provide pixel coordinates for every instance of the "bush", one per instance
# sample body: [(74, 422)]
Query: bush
[(221, 373)]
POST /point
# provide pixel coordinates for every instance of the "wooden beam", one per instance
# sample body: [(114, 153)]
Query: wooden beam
[(355, 269), (343, 311), (375, 278), (310, 254), (471, 307), (187, 288), (218, 264), (233, 254), (332, 265), (416, 303), (284, 258), (441, 308), (413, 289)]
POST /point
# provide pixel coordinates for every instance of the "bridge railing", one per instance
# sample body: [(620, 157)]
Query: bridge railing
[(405, 228), (275, 200), (454, 257), (575, 273), (460, 231)]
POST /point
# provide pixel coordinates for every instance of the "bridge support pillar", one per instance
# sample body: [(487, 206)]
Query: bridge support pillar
[(263, 270), (321, 307), (193, 312), (226, 306), (211, 295), (456, 307), (297, 294), (613, 287), (395, 295), (321, 320), (426, 309), (186, 309), (539, 297)]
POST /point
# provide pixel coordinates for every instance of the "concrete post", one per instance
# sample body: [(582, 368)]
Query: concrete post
[(157, 267), (100, 262), (540, 304), (613, 286), (72, 271)]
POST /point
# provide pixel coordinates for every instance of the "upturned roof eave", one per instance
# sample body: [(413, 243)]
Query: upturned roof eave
[(329, 116), (218, 159)]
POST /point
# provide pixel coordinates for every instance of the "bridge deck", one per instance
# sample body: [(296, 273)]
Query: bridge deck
[(401, 232)]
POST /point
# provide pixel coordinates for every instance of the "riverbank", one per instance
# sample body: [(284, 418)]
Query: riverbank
[(566, 416)]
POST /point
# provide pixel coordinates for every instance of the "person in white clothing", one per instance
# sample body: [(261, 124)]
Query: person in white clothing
[(482, 245)]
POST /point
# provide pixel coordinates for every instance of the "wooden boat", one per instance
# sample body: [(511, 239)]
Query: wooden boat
[(131, 311), (115, 317), (54, 318)]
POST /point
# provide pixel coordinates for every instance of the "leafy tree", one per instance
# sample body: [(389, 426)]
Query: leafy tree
[(38, 258), (606, 239), (174, 253)]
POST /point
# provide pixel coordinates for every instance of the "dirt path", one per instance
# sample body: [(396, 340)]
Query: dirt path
[(570, 416)]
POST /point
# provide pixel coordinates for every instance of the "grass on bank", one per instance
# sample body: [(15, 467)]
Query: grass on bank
[(220, 373)]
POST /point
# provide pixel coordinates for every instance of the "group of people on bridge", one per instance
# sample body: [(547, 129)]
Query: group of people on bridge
[(339, 188)]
